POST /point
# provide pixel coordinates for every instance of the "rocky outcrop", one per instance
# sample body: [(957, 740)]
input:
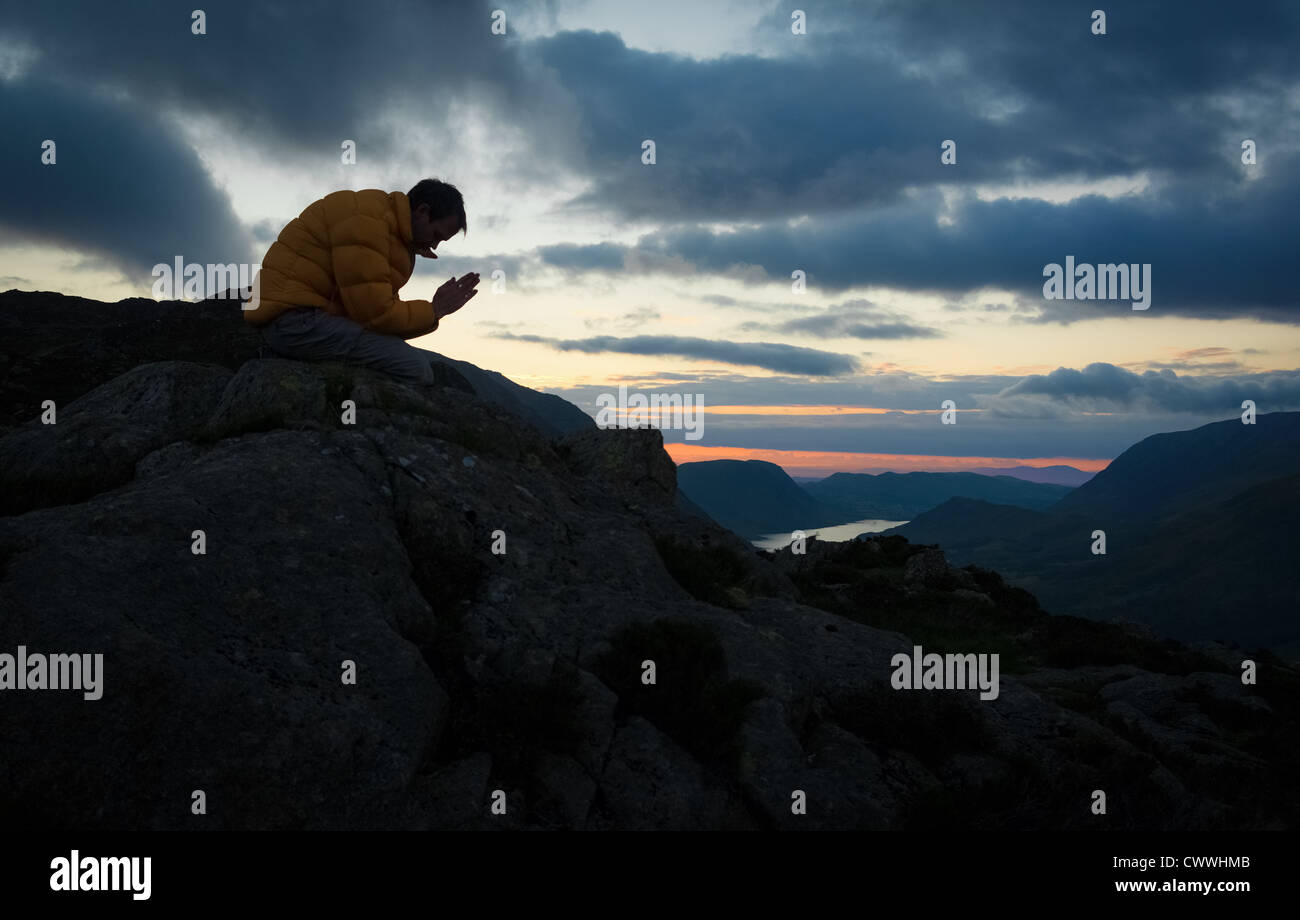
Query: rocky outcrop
[(56, 347), (432, 615)]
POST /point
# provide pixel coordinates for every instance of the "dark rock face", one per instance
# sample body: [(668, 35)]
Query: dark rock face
[(57, 347), (516, 678), (927, 567), (96, 440)]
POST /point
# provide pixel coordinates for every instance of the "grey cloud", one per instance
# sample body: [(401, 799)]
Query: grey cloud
[(1225, 256), (784, 307), (633, 319), (1055, 430), (891, 331), (989, 75), (860, 319), (771, 355), (844, 129), (519, 270), (295, 77), (288, 81), (600, 256), (977, 307), (264, 232), (853, 115), (123, 192), (1101, 386), (1028, 423)]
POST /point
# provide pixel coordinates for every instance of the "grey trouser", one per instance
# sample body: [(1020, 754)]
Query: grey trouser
[(311, 334)]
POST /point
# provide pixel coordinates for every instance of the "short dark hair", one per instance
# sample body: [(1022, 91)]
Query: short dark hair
[(444, 200)]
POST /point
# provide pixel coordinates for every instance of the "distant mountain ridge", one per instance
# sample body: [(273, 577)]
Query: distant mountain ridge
[(753, 497), (1156, 476), (1058, 474), (902, 496), (1200, 533)]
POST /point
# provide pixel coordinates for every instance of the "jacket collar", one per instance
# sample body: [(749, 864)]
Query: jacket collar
[(402, 206)]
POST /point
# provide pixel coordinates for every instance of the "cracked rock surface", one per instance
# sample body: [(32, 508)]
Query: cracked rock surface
[(370, 545)]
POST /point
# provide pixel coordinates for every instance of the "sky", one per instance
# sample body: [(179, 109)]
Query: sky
[(799, 254)]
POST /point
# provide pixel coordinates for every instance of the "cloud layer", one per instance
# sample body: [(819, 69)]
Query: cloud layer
[(839, 129)]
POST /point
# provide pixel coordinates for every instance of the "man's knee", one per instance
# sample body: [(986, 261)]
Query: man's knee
[(417, 369), (393, 356), (404, 361)]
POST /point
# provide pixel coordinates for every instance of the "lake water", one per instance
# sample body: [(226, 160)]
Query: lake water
[(838, 533)]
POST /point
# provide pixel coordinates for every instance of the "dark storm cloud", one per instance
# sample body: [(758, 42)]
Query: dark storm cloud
[(292, 81), (745, 136), (1216, 256), (841, 126), (123, 190), (299, 77), (774, 356), (1103, 386), (1151, 48), (855, 111)]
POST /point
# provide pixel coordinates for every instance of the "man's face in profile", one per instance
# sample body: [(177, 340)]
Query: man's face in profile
[(426, 234)]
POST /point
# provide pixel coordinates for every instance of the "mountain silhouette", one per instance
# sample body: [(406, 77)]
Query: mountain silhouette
[(1058, 474), (1181, 470), (1199, 528), (901, 496), (754, 497)]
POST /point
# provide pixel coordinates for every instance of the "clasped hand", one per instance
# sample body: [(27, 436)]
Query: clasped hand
[(454, 294)]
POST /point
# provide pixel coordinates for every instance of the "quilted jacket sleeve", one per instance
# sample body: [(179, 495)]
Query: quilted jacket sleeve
[(359, 259)]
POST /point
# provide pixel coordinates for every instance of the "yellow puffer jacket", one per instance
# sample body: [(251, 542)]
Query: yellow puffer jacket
[(347, 254)]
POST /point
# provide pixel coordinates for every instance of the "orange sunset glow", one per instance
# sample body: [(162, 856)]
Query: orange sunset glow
[(818, 410), (791, 410), (825, 462)]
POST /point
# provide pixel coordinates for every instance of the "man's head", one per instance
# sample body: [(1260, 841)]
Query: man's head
[(437, 213)]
